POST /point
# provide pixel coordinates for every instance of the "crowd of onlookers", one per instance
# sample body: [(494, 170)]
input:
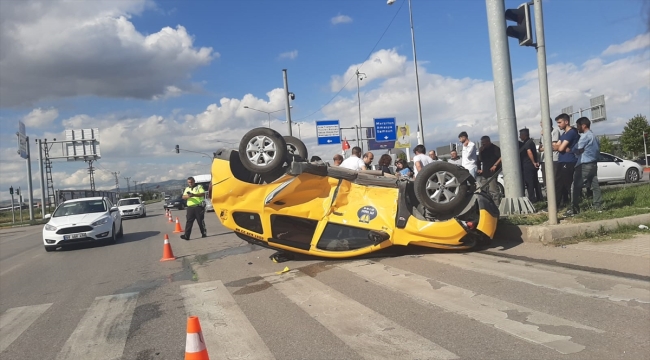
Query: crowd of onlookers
[(575, 154)]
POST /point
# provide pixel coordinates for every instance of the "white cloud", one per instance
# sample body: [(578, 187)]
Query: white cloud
[(57, 48), (142, 147), (383, 64), (41, 117), (289, 55), (170, 92), (341, 19), (641, 41)]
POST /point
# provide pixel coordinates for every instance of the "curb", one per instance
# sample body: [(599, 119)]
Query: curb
[(547, 234)]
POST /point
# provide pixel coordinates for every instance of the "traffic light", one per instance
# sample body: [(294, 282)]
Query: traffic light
[(11, 190), (178, 150), (523, 30), (18, 191)]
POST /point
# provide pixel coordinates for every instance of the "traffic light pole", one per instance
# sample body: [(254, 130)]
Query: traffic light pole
[(514, 201), (42, 177), (20, 205), (546, 113), (13, 211)]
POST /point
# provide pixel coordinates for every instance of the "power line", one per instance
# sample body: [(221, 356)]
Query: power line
[(359, 68)]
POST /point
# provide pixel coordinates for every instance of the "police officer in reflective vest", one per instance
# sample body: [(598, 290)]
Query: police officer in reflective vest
[(194, 195)]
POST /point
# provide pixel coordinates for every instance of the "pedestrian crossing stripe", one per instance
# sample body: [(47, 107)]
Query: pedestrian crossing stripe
[(103, 330), (486, 309)]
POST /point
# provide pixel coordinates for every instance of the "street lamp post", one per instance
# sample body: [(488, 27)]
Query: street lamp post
[(266, 112), (417, 79), (360, 76)]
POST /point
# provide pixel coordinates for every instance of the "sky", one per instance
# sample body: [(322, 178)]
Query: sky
[(153, 74)]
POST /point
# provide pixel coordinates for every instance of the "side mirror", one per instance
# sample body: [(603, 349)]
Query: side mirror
[(114, 209), (47, 216)]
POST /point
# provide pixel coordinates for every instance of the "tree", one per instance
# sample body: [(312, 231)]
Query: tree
[(632, 137), (606, 145)]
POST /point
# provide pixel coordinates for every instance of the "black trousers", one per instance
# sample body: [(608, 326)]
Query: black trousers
[(563, 182), (195, 213), (531, 183)]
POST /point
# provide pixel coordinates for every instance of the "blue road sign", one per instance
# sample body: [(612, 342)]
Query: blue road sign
[(328, 132), (385, 130)]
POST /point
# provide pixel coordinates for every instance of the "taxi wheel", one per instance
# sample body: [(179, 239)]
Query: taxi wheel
[(262, 151), (296, 149), (438, 188)]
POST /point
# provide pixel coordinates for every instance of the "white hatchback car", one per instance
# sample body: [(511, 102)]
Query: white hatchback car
[(84, 220), (132, 207)]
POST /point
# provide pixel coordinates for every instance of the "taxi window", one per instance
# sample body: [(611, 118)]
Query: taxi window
[(338, 237), (292, 231)]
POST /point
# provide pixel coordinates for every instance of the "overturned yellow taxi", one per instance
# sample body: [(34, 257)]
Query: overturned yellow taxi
[(269, 195)]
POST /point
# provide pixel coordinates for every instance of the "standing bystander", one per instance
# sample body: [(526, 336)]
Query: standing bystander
[(566, 160), (586, 171)]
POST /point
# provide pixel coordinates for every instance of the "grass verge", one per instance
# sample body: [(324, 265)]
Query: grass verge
[(621, 232), (617, 203)]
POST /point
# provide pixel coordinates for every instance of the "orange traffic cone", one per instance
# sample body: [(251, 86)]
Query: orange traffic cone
[(178, 227), (170, 217), (194, 342), (167, 250)]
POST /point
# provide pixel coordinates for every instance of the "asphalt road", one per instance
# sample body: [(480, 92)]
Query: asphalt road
[(120, 302)]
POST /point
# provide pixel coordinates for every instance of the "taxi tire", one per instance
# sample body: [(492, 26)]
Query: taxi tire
[(280, 155), (296, 149), (420, 188)]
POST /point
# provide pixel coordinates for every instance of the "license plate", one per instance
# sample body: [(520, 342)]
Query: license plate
[(74, 236)]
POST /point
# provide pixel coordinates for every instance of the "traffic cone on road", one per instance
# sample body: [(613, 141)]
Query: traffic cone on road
[(168, 254), (170, 217), (178, 227), (194, 343)]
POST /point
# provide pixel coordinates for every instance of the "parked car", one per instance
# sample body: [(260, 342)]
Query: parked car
[(84, 220), (275, 199), (132, 207), (176, 203)]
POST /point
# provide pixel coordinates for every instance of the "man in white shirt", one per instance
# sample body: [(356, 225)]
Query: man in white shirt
[(354, 162), (469, 156), (420, 159)]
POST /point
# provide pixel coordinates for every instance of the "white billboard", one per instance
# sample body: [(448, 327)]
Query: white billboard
[(82, 144), (22, 140)]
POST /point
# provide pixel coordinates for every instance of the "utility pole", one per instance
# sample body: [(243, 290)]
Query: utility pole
[(360, 76), (117, 182), (135, 185), (546, 113), (20, 204), (514, 201), (286, 99), (42, 176), (128, 184), (91, 172)]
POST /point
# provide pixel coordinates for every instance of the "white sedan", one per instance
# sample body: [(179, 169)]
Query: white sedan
[(132, 207), (85, 220)]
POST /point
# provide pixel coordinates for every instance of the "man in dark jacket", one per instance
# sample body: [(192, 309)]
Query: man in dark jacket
[(529, 165), (489, 163)]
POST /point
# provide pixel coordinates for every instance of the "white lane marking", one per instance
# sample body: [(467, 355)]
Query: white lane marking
[(565, 281), (101, 334), (369, 333), (15, 321), (10, 269), (483, 308), (227, 332)]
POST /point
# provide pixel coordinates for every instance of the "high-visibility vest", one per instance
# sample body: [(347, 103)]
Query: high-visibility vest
[(194, 201)]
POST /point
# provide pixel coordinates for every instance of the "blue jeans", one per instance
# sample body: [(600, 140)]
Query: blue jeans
[(586, 175)]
